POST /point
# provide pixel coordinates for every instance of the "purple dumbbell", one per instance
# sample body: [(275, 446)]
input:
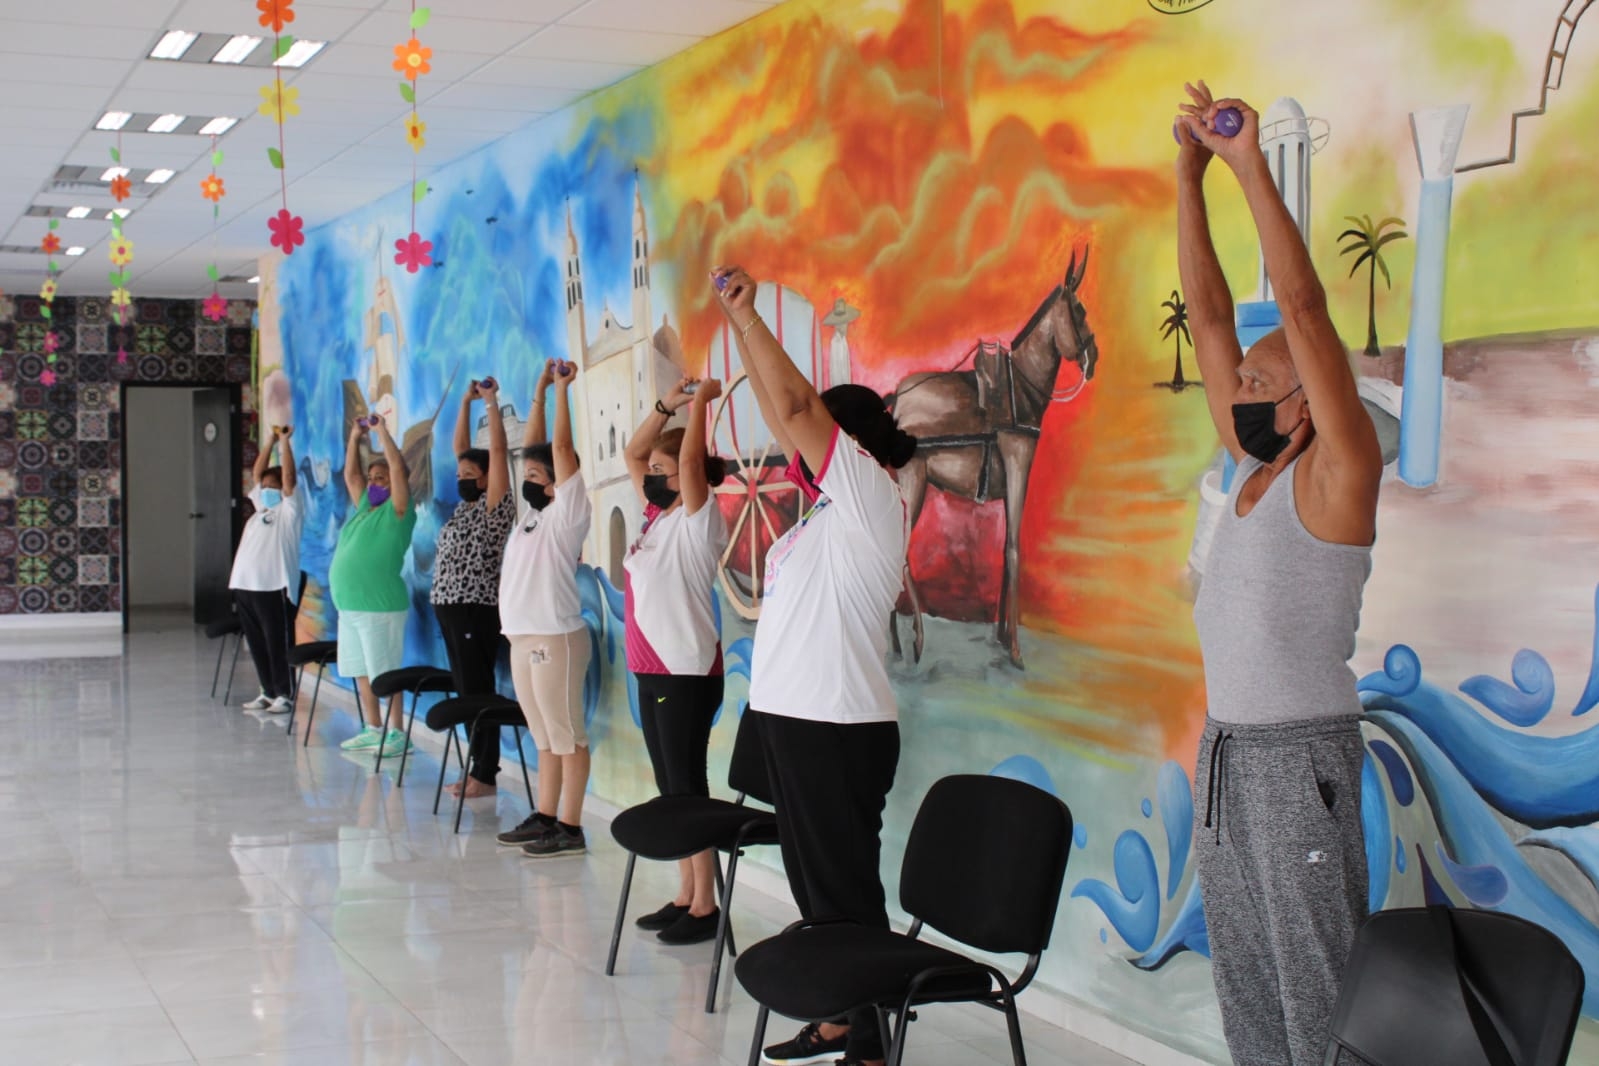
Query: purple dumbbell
[(1229, 120), (721, 282), (486, 383)]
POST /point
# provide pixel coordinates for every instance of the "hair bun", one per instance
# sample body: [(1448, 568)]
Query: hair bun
[(901, 448)]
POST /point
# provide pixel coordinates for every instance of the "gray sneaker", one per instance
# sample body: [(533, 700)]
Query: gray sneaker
[(556, 841)]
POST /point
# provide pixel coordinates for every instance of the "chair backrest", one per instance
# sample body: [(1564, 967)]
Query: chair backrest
[(985, 862), (1464, 987), (747, 771)]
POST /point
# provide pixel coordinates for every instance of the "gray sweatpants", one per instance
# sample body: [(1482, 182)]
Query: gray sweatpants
[(1282, 873)]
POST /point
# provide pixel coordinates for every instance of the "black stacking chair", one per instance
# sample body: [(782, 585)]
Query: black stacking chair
[(415, 680), (475, 712), (220, 630), (668, 828), (320, 653), (1432, 986), (983, 866)]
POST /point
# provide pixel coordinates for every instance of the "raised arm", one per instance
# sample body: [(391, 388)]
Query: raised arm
[(354, 476), (499, 462), (463, 421), (263, 457), (637, 452), (535, 432), (286, 460), (399, 476), (691, 457), (1344, 429), (789, 404), (561, 450)]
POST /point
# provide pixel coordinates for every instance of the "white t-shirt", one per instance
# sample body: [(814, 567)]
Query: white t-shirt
[(268, 558), (831, 582), (538, 580), (671, 627)]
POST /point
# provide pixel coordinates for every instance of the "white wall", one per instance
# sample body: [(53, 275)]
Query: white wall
[(156, 499)]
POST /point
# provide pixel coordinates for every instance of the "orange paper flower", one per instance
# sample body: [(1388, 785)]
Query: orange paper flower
[(211, 188), (411, 58), (275, 13), (414, 129), (51, 243), (121, 188)]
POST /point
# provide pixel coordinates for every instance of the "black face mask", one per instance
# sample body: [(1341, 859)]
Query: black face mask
[(535, 495), (469, 489), (1256, 427), (656, 492)]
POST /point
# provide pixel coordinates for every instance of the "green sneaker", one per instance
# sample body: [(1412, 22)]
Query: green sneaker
[(368, 738), (395, 743)]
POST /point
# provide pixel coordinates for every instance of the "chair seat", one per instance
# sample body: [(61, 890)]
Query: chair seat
[(224, 627), (317, 651), (413, 679), (464, 710), (674, 827), (823, 972)]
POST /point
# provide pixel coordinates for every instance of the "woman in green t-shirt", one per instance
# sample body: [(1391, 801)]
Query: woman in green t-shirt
[(368, 592)]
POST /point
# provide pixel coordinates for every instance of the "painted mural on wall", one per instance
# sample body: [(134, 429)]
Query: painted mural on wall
[(969, 207)]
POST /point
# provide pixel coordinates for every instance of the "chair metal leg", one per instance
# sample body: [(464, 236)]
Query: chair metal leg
[(406, 751), (526, 783), (896, 1047), (884, 1033), (724, 926), (216, 675), (621, 915), (460, 749), (760, 1036), (238, 646), (444, 764), (310, 714), (1013, 1023), (460, 799), (294, 700)]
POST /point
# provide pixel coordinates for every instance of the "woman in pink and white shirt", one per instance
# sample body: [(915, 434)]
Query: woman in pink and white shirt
[(819, 682), (673, 647)]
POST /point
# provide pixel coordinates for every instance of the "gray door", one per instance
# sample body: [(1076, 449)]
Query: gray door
[(213, 505)]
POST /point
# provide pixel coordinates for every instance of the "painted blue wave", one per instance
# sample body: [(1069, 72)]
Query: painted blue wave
[(1187, 932), (1177, 815), (1133, 904), (1580, 845)]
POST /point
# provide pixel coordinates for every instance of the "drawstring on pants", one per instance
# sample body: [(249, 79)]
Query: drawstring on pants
[(1213, 798)]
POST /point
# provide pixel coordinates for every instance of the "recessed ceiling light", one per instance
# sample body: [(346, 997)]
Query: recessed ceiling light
[(76, 249), (218, 126), (80, 212), (173, 44), (118, 212), (300, 53), (161, 177), (114, 172), (166, 123), (113, 120), (253, 281), (237, 49)]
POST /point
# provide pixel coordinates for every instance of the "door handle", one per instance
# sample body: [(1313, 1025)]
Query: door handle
[(196, 514)]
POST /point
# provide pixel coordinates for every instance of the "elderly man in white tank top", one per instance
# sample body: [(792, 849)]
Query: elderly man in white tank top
[(1278, 840)]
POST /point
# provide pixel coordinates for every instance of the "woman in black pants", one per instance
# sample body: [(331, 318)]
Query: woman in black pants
[(819, 685), (673, 647), (466, 571), (266, 572)]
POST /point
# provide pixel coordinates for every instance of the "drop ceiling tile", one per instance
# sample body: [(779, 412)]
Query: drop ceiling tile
[(378, 62), (493, 10), (507, 97), (607, 46), (442, 34), (700, 18), (549, 73), (88, 43)]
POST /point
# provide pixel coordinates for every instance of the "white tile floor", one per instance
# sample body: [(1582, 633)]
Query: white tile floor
[(180, 884)]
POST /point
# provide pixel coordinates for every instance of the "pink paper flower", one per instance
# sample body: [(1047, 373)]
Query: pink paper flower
[(47, 377), (122, 357), (215, 307), (414, 253), (51, 342), (286, 231)]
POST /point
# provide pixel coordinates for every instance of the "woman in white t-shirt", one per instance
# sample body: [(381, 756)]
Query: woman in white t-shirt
[(266, 573), (541, 615), (819, 684), (673, 647)]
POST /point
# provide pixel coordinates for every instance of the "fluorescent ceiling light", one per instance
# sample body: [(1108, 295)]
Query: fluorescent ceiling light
[(218, 126), (166, 123), (76, 249), (161, 177), (173, 44), (300, 53), (80, 212), (237, 50), (114, 172), (253, 281), (118, 212), (113, 120)]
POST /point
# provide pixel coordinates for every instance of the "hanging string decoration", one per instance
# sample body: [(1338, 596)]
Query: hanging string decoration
[(121, 255), (211, 188), (277, 103), (412, 59), (47, 294)]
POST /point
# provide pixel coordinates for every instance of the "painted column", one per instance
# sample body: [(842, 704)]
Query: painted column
[(1437, 133)]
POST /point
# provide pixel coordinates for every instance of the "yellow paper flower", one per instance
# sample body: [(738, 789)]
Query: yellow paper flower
[(279, 101), (121, 297), (121, 251), (414, 129), (47, 291)]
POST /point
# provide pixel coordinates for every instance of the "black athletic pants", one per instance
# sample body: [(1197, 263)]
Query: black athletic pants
[(676, 712), (830, 783), (264, 617), (472, 641)]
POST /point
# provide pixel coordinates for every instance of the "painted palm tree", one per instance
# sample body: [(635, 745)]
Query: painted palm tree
[(1369, 240), (1175, 325)]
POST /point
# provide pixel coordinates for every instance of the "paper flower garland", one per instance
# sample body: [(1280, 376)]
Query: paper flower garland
[(215, 307), (51, 245), (278, 103), (47, 293), (121, 188), (120, 252), (211, 185), (412, 60)]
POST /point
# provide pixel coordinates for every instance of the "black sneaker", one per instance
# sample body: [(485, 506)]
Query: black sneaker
[(663, 918), (556, 841), (533, 826), (808, 1046), (691, 930)]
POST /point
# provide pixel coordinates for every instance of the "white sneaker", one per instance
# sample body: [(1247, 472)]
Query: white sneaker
[(280, 705), (260, 703)]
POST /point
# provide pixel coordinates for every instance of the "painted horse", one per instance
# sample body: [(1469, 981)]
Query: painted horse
[(978, 429)]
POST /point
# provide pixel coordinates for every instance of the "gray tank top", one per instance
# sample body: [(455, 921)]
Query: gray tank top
[(1277, 612)]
